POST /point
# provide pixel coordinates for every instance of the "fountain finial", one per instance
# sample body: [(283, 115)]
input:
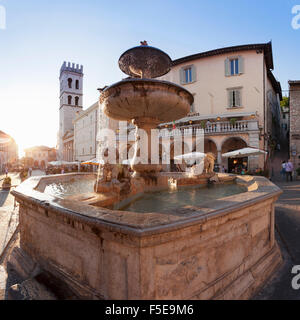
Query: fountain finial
[(145, 61)]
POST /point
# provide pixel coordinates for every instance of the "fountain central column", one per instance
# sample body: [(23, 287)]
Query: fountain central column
[(142, 154)]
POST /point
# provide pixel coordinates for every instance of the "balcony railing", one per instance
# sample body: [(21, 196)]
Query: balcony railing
[(213, 128), (224, 127)]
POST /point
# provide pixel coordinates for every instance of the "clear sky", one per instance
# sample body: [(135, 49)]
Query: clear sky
[(41, 34)]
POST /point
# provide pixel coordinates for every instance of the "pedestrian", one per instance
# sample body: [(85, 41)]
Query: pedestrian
[(289, 170), (6, 171), (283, 172), (30, 172)]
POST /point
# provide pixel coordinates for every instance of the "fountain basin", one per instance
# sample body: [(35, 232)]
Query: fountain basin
[(154, 100), (224, 249)]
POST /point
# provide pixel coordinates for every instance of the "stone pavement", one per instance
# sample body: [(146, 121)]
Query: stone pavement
[(9, 218), (287, 220)]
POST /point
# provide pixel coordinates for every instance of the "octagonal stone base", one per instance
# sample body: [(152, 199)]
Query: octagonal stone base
[(222, 250)]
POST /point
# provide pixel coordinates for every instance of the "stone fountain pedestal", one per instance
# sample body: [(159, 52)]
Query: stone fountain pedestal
[(222, 250)]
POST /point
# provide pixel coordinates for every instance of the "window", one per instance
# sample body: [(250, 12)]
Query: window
[(187, 74), (70, 82), (91, 150), (76, 101), (77, 84), (234, 98), (234, 66), (283, 116), (192, 109), (69, 99)]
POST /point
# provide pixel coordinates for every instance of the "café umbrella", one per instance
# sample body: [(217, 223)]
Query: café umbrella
[(191, 157), (242, 153), (94, 162)]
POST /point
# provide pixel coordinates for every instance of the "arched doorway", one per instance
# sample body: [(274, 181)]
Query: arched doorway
[(184, 149), (210, 146), (234, 165)]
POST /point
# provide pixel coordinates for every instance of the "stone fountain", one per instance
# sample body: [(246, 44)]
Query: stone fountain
[(81, 247), (146, 102)]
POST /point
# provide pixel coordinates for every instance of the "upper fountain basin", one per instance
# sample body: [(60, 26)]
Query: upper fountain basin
[(145, 62), (134, 99)]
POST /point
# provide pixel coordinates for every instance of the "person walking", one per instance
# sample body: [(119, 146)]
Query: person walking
[(283, 172), (6, 171), (289, 170)]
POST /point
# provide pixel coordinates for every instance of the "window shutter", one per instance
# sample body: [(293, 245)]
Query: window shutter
[(230, 98), (194, 74), (238, 98), (227, 70), (241, 64), (182, 76)]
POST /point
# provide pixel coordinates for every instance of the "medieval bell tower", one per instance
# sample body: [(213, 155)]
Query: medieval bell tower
[(71, 94)]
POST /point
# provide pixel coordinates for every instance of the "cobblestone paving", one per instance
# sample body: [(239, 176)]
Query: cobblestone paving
[(287, 220), (8, 214)]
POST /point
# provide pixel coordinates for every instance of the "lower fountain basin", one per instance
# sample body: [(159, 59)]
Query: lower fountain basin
[(222, 249), (158, 100)]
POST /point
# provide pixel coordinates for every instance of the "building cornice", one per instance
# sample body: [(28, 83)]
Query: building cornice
[(265, 47), (86, 112)]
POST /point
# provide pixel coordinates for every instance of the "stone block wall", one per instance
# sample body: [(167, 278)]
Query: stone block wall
[(219, 256), (295, 123)]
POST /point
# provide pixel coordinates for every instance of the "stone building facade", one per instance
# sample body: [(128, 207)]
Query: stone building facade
[(236, 100), (41, 155), (85, 132), (294, 89), (8, 151)]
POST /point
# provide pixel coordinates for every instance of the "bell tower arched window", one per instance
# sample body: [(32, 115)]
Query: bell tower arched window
[(77, 84), (70, 82), (69, 99), (76, 101)]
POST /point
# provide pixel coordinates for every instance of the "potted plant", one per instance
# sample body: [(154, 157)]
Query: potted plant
[(298, 173), (6, 183), (203, 124), (233, 121), (23, 175)]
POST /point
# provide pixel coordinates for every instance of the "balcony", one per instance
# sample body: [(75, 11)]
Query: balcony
[(220, 127), (212, 128)]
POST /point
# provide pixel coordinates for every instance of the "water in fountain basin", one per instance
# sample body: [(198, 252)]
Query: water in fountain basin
[(161, 201), (168, 201), (64, 189)]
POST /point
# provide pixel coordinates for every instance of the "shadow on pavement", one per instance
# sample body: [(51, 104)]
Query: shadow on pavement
[(3, 197)]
